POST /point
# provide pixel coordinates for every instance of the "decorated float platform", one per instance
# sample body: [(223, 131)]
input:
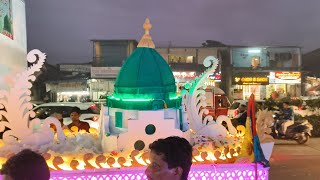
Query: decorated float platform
[(142, 109), (205, 171)]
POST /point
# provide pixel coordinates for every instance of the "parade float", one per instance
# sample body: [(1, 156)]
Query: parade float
[(143, 108)]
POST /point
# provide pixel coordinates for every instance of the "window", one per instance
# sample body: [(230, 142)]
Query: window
[(189, 59), (180, 59), (44, 112), (119, 119)]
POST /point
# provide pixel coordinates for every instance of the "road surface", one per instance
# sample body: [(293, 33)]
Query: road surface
[(292, 161)]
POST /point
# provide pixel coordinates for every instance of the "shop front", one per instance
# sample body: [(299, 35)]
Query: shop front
[(102, 82), (213, 80), (285, 83), (68, 91), (263, 84), (183, 77), (264, 71), (246, 83)]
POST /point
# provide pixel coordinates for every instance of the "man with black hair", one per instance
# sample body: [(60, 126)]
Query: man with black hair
[(75, 117), (170, 159), (26, 165)]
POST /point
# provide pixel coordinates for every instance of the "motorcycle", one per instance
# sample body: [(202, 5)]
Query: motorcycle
[(300, 131)]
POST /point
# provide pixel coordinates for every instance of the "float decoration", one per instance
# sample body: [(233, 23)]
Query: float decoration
[(70, 154), (16, 109), (195, 104), (252, 151)]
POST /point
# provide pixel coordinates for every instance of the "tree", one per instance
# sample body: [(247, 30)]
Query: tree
[(213, 43)]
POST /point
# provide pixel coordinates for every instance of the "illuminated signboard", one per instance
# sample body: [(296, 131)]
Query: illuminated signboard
[(104, 72), (184, 75), (250, 79), (286, 77), (215, 76)]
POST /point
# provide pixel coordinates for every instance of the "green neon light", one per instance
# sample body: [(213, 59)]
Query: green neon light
[(112, 97), (176, 97), (137, 100)]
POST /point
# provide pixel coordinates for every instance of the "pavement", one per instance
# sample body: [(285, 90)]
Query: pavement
[(293, 161)]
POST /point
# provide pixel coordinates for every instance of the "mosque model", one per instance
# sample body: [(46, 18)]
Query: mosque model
[(145, 105)]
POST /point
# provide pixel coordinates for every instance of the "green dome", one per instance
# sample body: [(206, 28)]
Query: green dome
[(145, 82), (145, 71)]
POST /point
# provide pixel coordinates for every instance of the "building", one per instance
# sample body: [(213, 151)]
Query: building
[(112, 53), (311, 78), (108, 57), (187, 63), (13, 40), (70, 84), (263, 70)]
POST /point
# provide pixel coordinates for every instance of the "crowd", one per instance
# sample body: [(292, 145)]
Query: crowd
[(170, 158)]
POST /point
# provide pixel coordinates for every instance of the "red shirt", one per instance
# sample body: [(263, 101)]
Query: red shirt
[(81, 126)]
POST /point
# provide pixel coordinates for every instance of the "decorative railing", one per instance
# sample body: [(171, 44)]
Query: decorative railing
[(203, 172)]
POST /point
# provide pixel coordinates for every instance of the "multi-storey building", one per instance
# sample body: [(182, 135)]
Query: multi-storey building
[(187, 63), (108, 57), (263, 70)]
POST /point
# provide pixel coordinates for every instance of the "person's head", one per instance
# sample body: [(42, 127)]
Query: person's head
[(170, 158), (242, 108), (26, 165), (58, 115), (75, 114), (286, 105)]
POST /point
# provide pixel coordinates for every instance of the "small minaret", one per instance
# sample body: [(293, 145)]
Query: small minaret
[(146, 40)]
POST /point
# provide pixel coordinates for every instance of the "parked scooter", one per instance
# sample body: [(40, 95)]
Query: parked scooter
[(300, 131)]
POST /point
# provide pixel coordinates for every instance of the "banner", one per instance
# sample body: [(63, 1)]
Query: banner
[(285, 77), (6, 18), (105, 72)]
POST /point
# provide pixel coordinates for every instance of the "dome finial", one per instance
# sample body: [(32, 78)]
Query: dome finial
[(146, 40), (147, 26)]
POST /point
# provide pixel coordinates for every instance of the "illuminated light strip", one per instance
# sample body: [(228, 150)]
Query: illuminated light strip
[(137, 100), (254, 51), (205, 171), (142, 100), (112, 97), (176, 97)]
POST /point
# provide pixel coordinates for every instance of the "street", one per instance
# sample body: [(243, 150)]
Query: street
[(292, 161)]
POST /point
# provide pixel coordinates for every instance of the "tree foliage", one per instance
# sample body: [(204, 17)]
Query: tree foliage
[(213, 43)]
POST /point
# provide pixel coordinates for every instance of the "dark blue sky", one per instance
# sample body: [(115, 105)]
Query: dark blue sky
[(63, 28)]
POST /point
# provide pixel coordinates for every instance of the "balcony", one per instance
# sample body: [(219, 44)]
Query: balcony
[(187, 67), (267, 68)]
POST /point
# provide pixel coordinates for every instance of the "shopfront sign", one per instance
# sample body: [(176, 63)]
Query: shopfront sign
[(75, 68), (250, 79), (67, 86), (184, 75), (104, 72), (215, 77), (285, 77)]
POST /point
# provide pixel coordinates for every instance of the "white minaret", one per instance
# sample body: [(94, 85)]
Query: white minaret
[(13, 40)]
